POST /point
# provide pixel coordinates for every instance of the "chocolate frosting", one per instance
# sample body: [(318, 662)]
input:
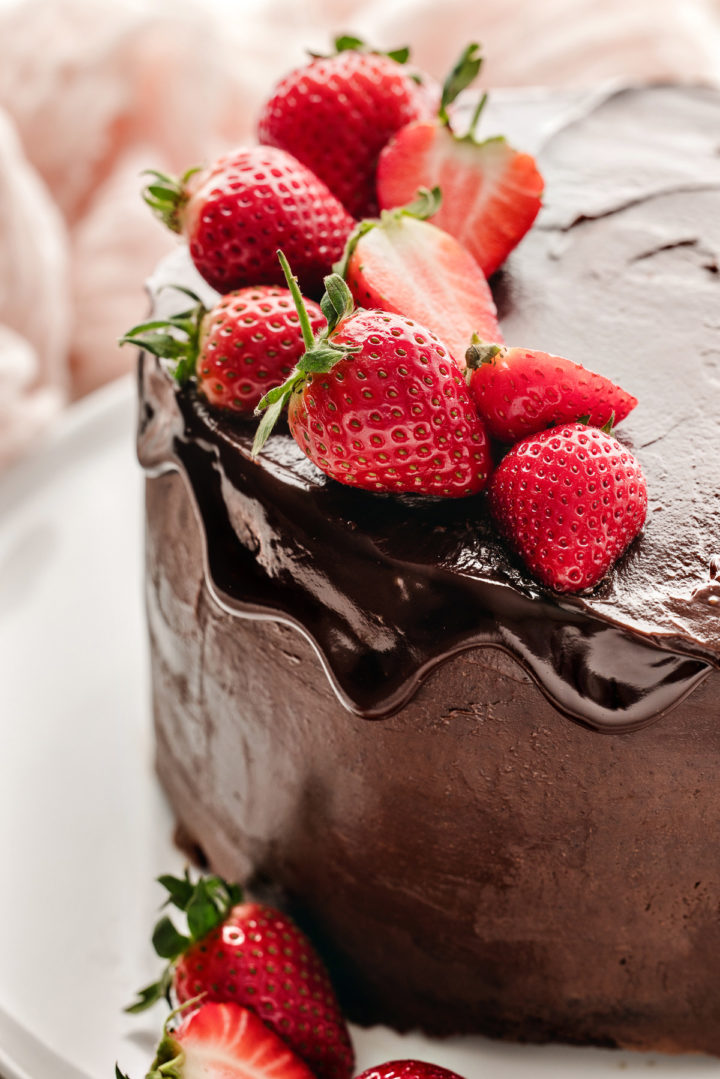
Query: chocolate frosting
[(621, 274)]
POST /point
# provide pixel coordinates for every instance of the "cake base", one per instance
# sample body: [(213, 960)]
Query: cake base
[(475, 863)]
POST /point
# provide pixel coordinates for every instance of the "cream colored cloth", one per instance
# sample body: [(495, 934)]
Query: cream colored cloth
[(95, 90)]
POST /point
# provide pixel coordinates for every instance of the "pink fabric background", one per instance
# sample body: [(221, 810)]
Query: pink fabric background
[(93, 91)]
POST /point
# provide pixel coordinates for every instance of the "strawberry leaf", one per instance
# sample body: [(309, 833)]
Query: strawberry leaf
[(337, 303), (151, 994), (166, 196), (119, 1074), (464, 72), (205, 910), (348, 43), (179, 889), (400, 56), (167, 941), (273, 411), (320, 355), (176, 339)]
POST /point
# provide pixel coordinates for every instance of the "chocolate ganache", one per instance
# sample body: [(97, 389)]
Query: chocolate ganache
[(620, 274), (475, 862)]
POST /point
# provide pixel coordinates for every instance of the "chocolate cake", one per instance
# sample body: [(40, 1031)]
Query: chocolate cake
[(494, 809)]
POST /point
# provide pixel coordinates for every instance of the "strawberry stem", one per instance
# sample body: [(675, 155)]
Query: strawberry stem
[(471, 133), (292, 283), (464, 72), (320, 354), (480, 352)]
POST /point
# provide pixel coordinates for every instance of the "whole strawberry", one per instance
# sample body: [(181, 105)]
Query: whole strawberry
[(569, 500), (336, 113), (223, 1041), (491, 192), (238, 350), (519, 391), (408, 1069), (254, 956), (235, 213), (377, 403), (404, 264)]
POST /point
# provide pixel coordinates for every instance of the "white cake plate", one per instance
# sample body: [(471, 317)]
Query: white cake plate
[(84, 829)]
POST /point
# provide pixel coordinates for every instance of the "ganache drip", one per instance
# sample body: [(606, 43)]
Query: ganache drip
[(387, 588)]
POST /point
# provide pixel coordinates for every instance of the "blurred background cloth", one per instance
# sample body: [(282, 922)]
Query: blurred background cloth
[(93, 91)]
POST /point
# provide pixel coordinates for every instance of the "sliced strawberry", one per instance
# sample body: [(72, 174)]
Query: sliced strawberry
[(225, 1041), (519, 391), (407, 266), (490, 192)]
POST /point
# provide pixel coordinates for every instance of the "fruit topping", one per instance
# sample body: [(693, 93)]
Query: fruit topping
[(247, 343), (336, 113), (408, 1069), (377, 402), (402, 263), (223, 1041), (519, 391), (491, 193), (236, 212), (569, 501), (254, 956)]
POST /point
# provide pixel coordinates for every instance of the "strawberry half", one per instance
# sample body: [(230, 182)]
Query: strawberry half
[(247, 343), (235, 213), (336, 113), (491, 193), (254, 956), (408, 1069), (519, 391), (402, 263), (377, 402), (223, 1041), (569, 500)]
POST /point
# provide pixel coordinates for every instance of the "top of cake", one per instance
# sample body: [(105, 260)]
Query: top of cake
[(621, 274)]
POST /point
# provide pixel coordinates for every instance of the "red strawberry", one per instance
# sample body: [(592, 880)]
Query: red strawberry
[(408, 266), (377, 402), (336, 114), (519, 391), (569, 500), (247, 343), (257, 957), (223, 1041), (491, 193), (408, 1069), (236, 213)]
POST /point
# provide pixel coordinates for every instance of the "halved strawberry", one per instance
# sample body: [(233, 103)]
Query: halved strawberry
[(403, 264), (519, 391), (491, 193), (223, 1041)]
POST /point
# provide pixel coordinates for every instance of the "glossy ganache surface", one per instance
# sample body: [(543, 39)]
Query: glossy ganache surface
[(620, 274)]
